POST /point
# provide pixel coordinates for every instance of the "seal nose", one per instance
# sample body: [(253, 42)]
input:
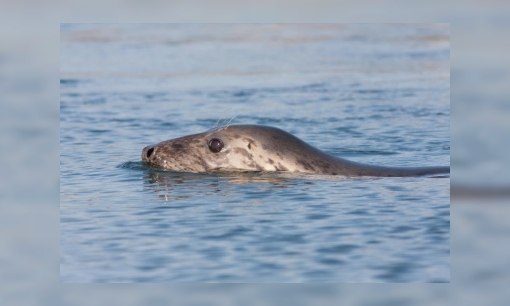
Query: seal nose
[(147, 152)]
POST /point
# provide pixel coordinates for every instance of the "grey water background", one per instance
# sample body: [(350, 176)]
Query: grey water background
[(371, 93)]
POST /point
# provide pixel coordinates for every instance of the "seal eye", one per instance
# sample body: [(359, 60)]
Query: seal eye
[(215, 145)]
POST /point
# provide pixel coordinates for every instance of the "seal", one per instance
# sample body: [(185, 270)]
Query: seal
[(261, 148)]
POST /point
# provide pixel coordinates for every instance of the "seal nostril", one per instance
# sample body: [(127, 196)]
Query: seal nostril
[(149, 152)]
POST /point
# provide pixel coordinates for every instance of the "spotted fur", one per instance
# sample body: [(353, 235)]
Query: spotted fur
[(261, 148)]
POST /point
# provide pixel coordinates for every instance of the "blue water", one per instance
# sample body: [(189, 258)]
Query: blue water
[(376, 94)]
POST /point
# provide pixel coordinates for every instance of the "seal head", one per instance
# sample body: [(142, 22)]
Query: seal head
[(259, 148), (231, 148)]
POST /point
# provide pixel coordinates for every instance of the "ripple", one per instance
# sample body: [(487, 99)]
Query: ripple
[(230, 234), (138, 165), (331, 261), (338, 249), (318, 217), (396, 272), (69, 82), (403, 229)]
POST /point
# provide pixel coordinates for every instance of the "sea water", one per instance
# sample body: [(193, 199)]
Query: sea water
[(376, 94)]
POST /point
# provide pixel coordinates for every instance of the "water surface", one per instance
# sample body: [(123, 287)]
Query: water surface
[(370, 93)]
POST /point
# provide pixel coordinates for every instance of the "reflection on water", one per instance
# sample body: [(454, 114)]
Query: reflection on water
[(174, 186)]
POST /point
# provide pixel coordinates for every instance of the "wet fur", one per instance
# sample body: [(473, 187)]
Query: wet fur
[(262, 148)]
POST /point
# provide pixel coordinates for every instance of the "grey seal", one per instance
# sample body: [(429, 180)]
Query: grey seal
[(261, 148)]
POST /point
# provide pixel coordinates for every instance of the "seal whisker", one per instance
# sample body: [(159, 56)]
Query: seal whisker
[(216, 124), (223, 122), (228, 124)]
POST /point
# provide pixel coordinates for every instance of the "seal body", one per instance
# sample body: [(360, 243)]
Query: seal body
[(260, 148)]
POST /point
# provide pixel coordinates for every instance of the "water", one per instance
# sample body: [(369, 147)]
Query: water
[(376, 94)]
